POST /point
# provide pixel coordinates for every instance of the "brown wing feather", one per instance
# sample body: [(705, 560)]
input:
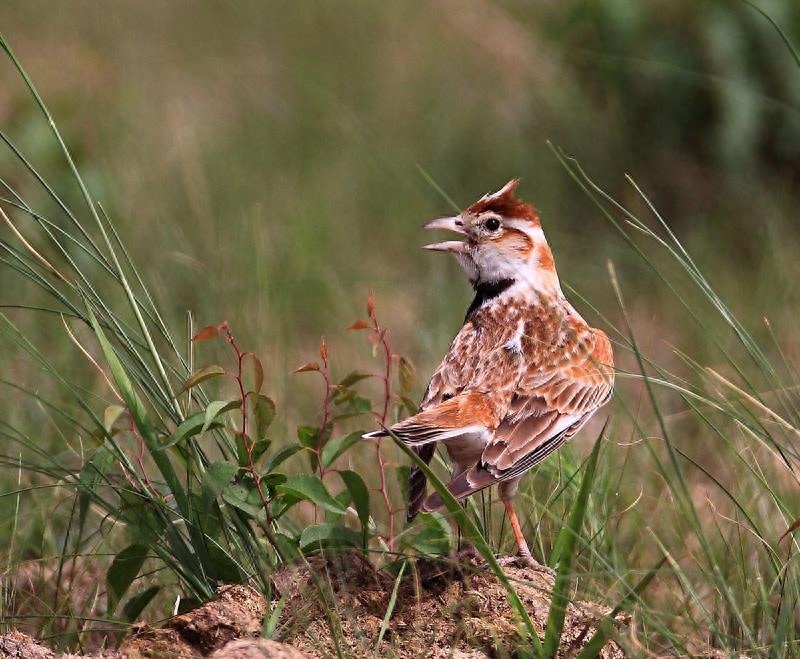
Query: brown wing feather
[(546, 411), (539, 420), (472, 412)]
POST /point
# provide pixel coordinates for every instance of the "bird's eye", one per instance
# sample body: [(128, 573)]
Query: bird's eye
[(492, 224)]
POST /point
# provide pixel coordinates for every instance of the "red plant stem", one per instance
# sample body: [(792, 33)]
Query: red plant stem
[(326, 415), (326, 412), (139, 457), (248, 445), (387, 396)]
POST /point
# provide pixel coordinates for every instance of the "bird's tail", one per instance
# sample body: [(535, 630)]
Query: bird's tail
[(417, 481), (467, 482)]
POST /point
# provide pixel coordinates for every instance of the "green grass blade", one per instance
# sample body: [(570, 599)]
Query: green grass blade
[(565, 546), (139, 415), (605, 628), (390, 608)]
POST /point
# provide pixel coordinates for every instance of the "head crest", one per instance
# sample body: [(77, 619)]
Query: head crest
[(506, 203)]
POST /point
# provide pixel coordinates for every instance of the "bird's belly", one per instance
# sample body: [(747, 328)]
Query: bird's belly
[(467, 449)]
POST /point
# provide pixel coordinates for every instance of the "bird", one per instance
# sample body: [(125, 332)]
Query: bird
[(524, 373)]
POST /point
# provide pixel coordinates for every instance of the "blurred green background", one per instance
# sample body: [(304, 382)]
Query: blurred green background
[(262, 161)]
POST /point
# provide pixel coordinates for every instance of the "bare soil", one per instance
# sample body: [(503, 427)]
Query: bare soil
[(439, 611)]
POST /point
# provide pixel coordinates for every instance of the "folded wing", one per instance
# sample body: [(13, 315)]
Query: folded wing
[(547, 408)]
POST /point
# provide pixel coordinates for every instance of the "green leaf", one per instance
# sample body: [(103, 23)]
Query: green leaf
[(565, 550), (200, 376), (308, 436), (287, 547), (216, 478), (263, 414), (241, 450), (127, 391), (360, 495), (260, 448), (345, 499), (344, 395), (190, 427), (280, 456), (123, 571), (217, 407), (310, 488), (328, 536), (335, 447), (435, 537), (137, 510), (245, 498), (273, 479), (354, 377), (137, 603)]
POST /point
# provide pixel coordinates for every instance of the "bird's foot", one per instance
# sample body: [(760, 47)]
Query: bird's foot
[(468, 555), (525, 560)]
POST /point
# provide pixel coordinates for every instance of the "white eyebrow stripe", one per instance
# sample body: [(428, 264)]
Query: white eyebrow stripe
[(526, 227)]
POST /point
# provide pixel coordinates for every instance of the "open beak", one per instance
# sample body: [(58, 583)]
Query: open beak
[(455, 224)]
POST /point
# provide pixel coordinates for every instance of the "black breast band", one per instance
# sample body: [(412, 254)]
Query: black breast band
[(486, 291)]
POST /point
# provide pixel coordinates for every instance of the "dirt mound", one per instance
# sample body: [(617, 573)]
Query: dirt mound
[(237, 613), (223, 628), (337, 606), (17, 644), (439, 611)]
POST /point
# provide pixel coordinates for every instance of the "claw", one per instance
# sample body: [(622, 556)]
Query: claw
[(525, 560)]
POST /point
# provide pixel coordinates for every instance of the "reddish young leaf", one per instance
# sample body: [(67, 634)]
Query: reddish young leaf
[(360, 324), (323, 351), (305, 368), (209, 332), (258, 372), (370, 306)]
